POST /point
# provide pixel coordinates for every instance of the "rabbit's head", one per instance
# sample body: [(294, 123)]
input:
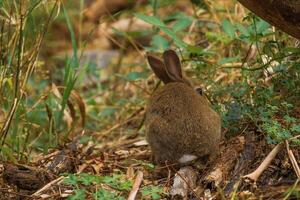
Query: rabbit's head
[(169, 69)]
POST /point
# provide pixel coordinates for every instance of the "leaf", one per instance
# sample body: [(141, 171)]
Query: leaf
[(195, 49), (160, 43), (81, 106), (70, 75), (228, 28), (181, 24), (157, 22), (116, 182), (172, 34), (262, 26), (71, 180), (214, 36), (79, 195), (198, 50), (296, 128), (7, 152), (153, 191), (291, 50), (160, 3), (87, 179), (133, 76), (244, 31), (228, 60), (104, 194), (73, 37), (150, 19)]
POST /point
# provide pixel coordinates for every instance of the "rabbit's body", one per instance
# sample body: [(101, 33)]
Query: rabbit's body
[(179, 122), (172, 133)]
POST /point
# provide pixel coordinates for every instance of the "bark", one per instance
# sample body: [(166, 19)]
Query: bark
[(283, 14)]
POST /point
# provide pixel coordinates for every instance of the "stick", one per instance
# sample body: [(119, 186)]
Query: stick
[(256, 174), (293, 159), (47, 186), (136, 186)]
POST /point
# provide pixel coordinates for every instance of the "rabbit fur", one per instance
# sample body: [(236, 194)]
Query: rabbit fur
[(180, 125)]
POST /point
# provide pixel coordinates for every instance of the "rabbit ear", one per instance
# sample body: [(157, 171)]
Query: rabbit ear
[(158, 68), (173, 65)]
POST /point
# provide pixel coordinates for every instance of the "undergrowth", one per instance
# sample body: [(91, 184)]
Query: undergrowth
[(248, 70)]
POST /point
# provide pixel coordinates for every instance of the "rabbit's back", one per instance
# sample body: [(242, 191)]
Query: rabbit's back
[(179, 121)]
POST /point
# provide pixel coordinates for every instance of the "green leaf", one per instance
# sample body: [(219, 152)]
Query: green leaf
[(262, 26), (181, 24), (73, 37), (296, 128), (228, 60), (289, 119), (291, 50), (243, 30), (79, 195), (195, 49), (153, 191), (87, 179), (217, 37), (71, 180), (7, 152), (116, 182), (133, 76), (106, 195), (70, 75), (85, 139), (150, 19), (198, 50), (157, 22), (228, 28), (161, 3), (160, 43), (172, 34)]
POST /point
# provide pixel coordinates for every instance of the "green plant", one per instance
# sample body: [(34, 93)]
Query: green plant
[(104, 194), (247, 96), (79, 194), (31, 110), (21, 40), (292, 192), (116, 183), (154, 192)]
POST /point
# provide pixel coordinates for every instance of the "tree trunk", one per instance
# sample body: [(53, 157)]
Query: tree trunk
[(284, 14)]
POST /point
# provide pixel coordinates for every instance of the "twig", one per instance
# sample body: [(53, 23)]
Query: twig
[(256, 174), (293, 159), (136, 186), (47, 186)]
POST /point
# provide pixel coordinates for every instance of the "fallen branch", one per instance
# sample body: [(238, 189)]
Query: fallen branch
[(37, 193), (293, 159), (136, 186), (263, 166)]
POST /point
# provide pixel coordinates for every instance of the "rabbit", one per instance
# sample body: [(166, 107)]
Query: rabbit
[(180, 125)]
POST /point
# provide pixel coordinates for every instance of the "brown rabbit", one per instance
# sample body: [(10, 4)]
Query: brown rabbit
[(180, 124)]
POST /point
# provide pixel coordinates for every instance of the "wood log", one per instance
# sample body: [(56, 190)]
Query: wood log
[(283, 14)]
